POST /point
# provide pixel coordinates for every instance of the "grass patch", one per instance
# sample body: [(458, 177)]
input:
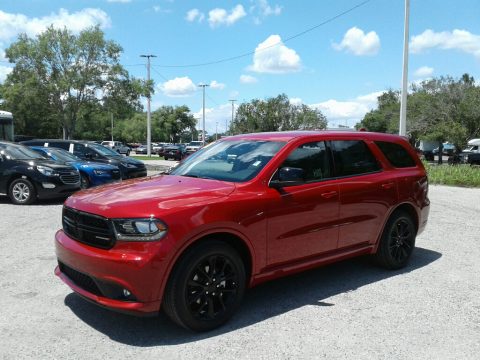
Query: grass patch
[(146, 158), (455, 175)]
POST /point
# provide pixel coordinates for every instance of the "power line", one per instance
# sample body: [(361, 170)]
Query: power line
[(163, 77), (329, 20)]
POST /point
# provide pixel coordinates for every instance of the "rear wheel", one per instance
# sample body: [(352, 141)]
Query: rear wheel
[(22, 192), (397, 241), (206, 287)]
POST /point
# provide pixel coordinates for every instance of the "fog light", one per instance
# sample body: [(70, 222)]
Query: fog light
[(48, 186), (126, 293)]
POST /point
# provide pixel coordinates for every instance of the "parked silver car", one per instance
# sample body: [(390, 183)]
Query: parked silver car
[(117, 146)]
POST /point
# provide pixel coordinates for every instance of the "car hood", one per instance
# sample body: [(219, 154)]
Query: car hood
[(50, 163), (126, 160), (148, 196)]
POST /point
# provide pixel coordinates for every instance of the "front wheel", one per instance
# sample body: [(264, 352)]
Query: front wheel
[(22, 192), (397, 241), (206, 287)]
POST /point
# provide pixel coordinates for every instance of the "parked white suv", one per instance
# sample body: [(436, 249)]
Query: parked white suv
[(193, 146), (117, 146)]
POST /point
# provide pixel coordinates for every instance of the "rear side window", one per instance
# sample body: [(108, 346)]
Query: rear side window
[(396, 154), (353, 157), (61, 145), (313, 159)]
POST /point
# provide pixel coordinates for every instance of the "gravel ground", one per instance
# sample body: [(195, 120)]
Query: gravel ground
[(430, 310)]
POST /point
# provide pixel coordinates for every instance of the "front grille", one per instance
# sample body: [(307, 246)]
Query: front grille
[(116, 174), (80, 279), (69, 177), (87, 228)]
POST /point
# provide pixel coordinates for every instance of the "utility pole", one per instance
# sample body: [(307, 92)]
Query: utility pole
[(203, 127), (111, 118), (403, 102), (149, 119), (233, 109)]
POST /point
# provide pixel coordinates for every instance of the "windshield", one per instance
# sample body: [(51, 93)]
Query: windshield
[(63, 155), (103, 150), (235, 160), (195, 143), (19, 152)]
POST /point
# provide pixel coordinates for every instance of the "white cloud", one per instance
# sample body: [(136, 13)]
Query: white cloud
[(159, 9), (4, 71), (424, 71), (218, 16), (296, 101), (215, 118), (194, 15), (216, 85), (13, 24), (350, 111), (263, 9), (178, 87), (272, 56), (358, 43), (119, 1), (457, 39), (248, 79)]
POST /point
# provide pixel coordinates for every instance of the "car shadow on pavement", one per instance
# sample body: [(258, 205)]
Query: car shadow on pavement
[(313, 287), (55, 201)]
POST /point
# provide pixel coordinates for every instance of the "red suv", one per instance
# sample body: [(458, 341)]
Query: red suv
[(248, 209)]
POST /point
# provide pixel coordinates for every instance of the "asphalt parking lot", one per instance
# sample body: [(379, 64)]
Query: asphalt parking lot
[(430, 310)]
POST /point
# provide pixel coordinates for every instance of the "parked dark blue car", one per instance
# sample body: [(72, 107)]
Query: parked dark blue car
[(91, 173)]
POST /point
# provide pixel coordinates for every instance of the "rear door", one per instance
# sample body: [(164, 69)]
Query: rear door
[(366, 192)]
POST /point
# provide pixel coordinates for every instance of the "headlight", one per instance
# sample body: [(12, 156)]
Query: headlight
[(45, 170), (139, 229), (100, 172), (130, 166)]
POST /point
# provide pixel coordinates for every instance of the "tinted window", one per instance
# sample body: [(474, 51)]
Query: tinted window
[(60, 144), (396, 154), (313, 158), (353, 157)]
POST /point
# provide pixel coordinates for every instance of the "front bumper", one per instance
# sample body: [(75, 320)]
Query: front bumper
[(100, 275), (45, 190), (131, 173)]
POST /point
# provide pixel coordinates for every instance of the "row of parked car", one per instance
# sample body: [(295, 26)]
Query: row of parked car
[(51, 168), (170, 151)]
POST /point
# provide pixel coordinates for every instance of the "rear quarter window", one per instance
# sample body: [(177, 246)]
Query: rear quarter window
[(396, 154)]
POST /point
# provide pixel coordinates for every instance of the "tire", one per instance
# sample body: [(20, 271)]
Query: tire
[(128, 152), (206, 287), (84, 181), (397, 241), (22, 192)]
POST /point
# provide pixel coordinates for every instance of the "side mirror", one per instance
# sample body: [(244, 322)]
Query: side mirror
[(288, 176)]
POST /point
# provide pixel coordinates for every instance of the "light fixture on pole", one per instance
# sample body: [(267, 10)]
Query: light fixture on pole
[(203, 125), (149, 121), (402, 128)]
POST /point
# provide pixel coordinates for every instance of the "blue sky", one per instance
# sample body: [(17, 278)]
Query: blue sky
[(339, 68)]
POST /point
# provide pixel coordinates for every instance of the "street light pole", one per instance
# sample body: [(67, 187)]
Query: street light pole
[(402, 128), (203, 126), (233, 108), (149, 119), (111, 118)]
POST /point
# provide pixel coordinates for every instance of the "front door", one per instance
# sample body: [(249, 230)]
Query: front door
[(302, 219)]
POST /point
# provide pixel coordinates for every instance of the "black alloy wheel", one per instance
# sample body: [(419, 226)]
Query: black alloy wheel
[(206, 287), (22, 192), (397, 242)]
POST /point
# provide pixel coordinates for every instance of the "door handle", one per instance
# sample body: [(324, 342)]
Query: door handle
[(328, 195), (387, 186)]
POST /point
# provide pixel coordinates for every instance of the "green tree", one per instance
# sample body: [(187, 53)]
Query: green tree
[(276, 114), (61, 79)]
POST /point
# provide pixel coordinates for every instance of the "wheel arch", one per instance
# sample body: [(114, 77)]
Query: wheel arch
[(232, 238)]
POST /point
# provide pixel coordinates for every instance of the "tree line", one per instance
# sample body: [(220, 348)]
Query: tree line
[(439, 109)]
